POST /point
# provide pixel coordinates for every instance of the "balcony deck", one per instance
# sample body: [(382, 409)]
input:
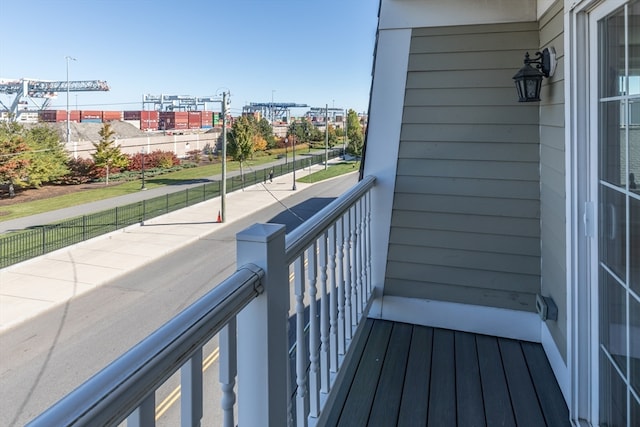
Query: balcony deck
[(406, 375)]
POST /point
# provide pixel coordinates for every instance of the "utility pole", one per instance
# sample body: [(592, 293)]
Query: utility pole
[(326, 136), (224, 156)]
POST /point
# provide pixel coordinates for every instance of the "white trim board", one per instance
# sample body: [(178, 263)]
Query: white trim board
[(558, 365), (499, 322)]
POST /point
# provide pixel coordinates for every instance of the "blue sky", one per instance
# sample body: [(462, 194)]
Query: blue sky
[(303, 51)]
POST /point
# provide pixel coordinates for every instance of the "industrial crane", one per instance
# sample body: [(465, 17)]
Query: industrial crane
[(47, 90)]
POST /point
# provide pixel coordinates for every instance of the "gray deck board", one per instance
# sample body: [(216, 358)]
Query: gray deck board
[(415, 395), (468, 385), (406, 375)]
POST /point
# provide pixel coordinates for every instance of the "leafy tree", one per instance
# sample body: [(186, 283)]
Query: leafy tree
[(354, 134), (30, 156), (266, 132), (334, 135), (108, 155), (47, 156), (240, 144), (13, 161)]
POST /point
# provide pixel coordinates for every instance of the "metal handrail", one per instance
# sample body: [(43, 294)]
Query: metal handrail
[(300, 238), (124, 384)]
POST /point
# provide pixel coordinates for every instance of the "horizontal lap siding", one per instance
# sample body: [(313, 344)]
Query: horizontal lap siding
[(466, 212), (552, 177)]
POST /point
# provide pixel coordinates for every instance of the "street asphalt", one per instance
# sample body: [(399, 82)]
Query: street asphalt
[(36, 285)]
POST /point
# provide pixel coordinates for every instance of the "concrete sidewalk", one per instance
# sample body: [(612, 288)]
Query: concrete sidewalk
[(34, 286)]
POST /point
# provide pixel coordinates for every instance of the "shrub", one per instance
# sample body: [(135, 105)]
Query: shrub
[(80, 171)]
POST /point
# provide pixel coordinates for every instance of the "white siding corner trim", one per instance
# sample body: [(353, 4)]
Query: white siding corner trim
[(500, 322), (383, 137)]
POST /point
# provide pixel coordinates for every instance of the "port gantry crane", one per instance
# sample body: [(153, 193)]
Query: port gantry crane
[(43, 89)]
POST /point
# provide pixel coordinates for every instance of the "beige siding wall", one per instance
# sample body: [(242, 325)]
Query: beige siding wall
[(466, 213), (552, 178)]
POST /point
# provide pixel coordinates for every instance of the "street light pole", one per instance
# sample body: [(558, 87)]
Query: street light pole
[(293, 141), (143, 186), (224, 156), (75, 145), (326, 136)]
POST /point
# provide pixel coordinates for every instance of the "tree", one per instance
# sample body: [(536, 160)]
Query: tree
[(31, 156), (354, 134), (108, 155), (13, 161), (266, 132), (240, 144), (47, 156)]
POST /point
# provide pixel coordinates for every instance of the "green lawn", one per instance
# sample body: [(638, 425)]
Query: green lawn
[(332, 171), (86, 196)]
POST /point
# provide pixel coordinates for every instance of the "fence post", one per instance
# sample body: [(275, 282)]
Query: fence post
[(44, 240), (84, 228), (262, 330), (116, 217)]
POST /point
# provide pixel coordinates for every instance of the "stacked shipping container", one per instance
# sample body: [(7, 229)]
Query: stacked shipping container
[(144, 120)]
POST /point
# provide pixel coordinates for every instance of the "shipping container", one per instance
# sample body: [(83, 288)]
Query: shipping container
[(195, 119), (149, 120), (173, 120), (110, 116), (131, 115), (91, 120), (207, 119), (52, 116), (86, 115)]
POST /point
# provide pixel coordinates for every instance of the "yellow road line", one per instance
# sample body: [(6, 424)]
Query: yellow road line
[(175, 394)]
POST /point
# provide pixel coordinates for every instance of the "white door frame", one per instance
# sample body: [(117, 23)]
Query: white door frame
[(581, 205)]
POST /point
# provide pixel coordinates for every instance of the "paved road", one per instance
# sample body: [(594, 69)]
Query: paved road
[(46, 357)]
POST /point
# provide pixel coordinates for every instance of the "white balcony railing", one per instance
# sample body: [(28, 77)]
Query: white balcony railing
[(328, 259)]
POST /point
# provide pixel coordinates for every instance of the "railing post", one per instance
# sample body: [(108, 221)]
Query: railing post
[(262, 330)]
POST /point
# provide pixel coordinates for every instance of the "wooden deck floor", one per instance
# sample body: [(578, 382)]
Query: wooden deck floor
[(410, 375)]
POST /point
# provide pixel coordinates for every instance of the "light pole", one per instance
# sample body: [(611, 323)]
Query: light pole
[(143, 186), (75, 145), (344, 140), (293, 143)]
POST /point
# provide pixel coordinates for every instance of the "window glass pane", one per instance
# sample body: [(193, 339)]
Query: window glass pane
[(634, 316), (634, 244), (613, 216), (635, 412), (634, 146), (613, 395), (612, 71), (613, 319), (634, 48), (613, 143)]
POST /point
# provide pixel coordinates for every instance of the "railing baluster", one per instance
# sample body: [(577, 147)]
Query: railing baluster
[(312, 270), (333, 309), (353, 269), (347, 276), (359, 263), (301, 366), (228, 371), (324, 315), (145, 414), (191, 391), (368, 240), (341, 309)]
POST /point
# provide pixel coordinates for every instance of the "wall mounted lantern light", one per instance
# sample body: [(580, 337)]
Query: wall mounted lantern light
[(528, 80)]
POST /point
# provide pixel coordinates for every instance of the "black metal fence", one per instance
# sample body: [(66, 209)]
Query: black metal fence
[(29, 243)]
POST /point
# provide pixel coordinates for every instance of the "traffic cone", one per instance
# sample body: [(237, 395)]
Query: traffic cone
[(219, 217)]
